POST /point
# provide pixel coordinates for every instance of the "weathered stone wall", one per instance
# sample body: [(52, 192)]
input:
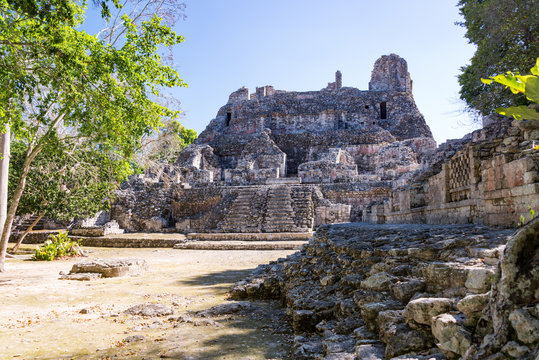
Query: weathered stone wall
[(426, 292), (144, 203), (491, 177)]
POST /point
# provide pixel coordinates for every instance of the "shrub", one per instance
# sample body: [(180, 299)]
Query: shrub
[(57, 246)]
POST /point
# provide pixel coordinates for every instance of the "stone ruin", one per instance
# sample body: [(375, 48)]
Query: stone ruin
[(284, 161)]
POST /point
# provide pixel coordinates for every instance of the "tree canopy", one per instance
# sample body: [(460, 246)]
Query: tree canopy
[(165, 146), (506, 33), (66, 180), (62, 84)]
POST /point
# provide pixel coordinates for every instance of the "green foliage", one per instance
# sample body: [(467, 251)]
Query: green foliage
[(173, 137), (506, 34), (57, 246), (55, 76), (66, 180), (523, 221), (525, 84), (66, 88)]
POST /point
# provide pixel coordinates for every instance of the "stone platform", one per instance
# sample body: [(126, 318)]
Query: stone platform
[(286, 236), (240, 245), (201, 241), (194, 241), (132, 240)]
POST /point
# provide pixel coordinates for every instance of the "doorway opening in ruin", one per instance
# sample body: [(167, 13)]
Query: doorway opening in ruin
[(228, 118), (383, 110)]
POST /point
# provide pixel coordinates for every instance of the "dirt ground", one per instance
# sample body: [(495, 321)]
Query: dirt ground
[(42, 317)]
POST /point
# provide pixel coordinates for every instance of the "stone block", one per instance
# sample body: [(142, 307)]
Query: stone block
[(149, 310), (473, 303), (479, 280), (525, 326), (111, 267), (379, 282), (422, 310), (453, 338)]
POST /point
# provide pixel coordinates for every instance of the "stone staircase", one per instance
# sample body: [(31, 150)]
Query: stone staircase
[(269, 209), (279, 216), (25, 224), (242, 215)]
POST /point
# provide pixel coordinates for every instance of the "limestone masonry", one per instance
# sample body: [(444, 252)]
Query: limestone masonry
[(283, 161)]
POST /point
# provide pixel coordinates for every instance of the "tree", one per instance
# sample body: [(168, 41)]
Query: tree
[(65, 181), (62, 83), (165, 146), (506, 33)]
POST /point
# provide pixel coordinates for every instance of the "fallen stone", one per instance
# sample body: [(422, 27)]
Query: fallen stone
[(515, 350), (525, 325), (370, 312), (340, 356), (405, 290), (81, 276), (479, 279), (473, 303), (363, 333), (453, 339), (85, 311), (192, 321), (339, 344), (399, 338), (239, 307), (134, 338), (149, 310), (306, 348), (422, 310), (371, 352), (111, 267), (379, 282), (437, 356)]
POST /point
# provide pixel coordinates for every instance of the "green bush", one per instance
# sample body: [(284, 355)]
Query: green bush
[(57, 246)]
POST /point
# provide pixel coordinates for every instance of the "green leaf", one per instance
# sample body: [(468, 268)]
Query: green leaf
[(535, 70), (511, 81), (519, 112), (532, 89)]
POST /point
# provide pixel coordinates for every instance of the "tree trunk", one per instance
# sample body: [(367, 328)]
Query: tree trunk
[(30, 156), (19, 242), (5, 142)]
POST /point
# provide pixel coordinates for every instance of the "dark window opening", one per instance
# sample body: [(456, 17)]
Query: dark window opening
[(366, 106), (383, 110), (373, 122), (228, 118)]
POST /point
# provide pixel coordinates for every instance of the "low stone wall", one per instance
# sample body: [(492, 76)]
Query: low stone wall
[(34, 237), (378, 292)]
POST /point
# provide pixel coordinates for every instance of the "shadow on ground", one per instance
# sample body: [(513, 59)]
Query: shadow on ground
[(226, 278)]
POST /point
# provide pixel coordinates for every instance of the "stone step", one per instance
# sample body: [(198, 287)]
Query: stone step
[(240, 245), (254, 236), (132, 240)]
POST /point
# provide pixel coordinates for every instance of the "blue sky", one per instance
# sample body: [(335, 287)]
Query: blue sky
[(297, 45)]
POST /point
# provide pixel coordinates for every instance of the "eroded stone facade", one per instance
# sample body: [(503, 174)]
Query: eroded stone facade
[(491, 176), (274, 161)]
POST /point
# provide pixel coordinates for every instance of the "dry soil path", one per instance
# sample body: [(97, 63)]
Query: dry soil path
[(42, 317)]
